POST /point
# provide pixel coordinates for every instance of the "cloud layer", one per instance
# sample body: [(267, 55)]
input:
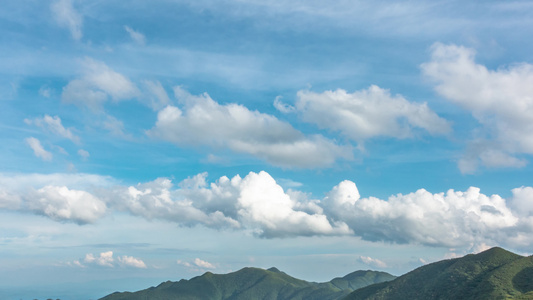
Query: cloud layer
[(258, 204)]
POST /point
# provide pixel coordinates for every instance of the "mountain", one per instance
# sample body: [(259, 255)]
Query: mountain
[(492, 274), (254, 283)]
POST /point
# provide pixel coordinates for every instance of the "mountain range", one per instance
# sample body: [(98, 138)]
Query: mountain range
[(492, 274)]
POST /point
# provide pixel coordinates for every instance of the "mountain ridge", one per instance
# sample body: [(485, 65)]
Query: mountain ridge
[(492, 274), (254, 283)]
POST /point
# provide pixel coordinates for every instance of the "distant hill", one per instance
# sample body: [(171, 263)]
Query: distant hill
[(492, 274), (254, 283)]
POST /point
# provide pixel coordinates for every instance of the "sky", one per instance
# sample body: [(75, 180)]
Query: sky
[(158, 140)]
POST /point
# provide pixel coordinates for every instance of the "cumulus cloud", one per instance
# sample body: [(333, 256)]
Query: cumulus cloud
[(136, 36), (97, 85), (53, 125), (66, 16), (263, 202), (202, 121), (64, 204), (446, 219), (500, 100), (373, 262), (197, 264), (257, 204), (60, 197), (203, 264), (38, 149), (106, 259), (157, 200), (522, 201), (367, 113), (130, 261)]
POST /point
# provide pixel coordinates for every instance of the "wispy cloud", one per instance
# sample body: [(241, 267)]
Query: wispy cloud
[(98, 84), (53, 125), (38, 149), (373, 262), (68, 17), (84, 154), (136, 36)]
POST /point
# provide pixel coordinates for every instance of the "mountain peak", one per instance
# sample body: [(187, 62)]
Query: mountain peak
[(274, 269), (492, 274)]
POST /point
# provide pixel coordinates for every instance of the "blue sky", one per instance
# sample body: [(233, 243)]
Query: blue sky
[(159, 140)]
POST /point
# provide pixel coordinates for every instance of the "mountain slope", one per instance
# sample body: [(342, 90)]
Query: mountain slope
[(492, 274), (254, 283)]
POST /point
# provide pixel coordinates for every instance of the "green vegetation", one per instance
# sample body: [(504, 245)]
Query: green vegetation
[(493, 274), (254, 283)]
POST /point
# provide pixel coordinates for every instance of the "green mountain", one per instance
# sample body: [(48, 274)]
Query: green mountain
[(492, 274), (254, 283)]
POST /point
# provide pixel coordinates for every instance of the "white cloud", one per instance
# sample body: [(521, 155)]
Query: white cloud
[(105, 259), (9, 200), (38, 149), (197, 264), (136, 36), (203, 264), (131, 261), (63, 204), (500, 100), (368, 113), (68, 17), (53, 125), (443, 219), (257, 204), (97, 85), (202, 121), (61, 197), (157, 200), (522, 201), (262, 203), (282, 107), (84, 154), (373, 262)]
